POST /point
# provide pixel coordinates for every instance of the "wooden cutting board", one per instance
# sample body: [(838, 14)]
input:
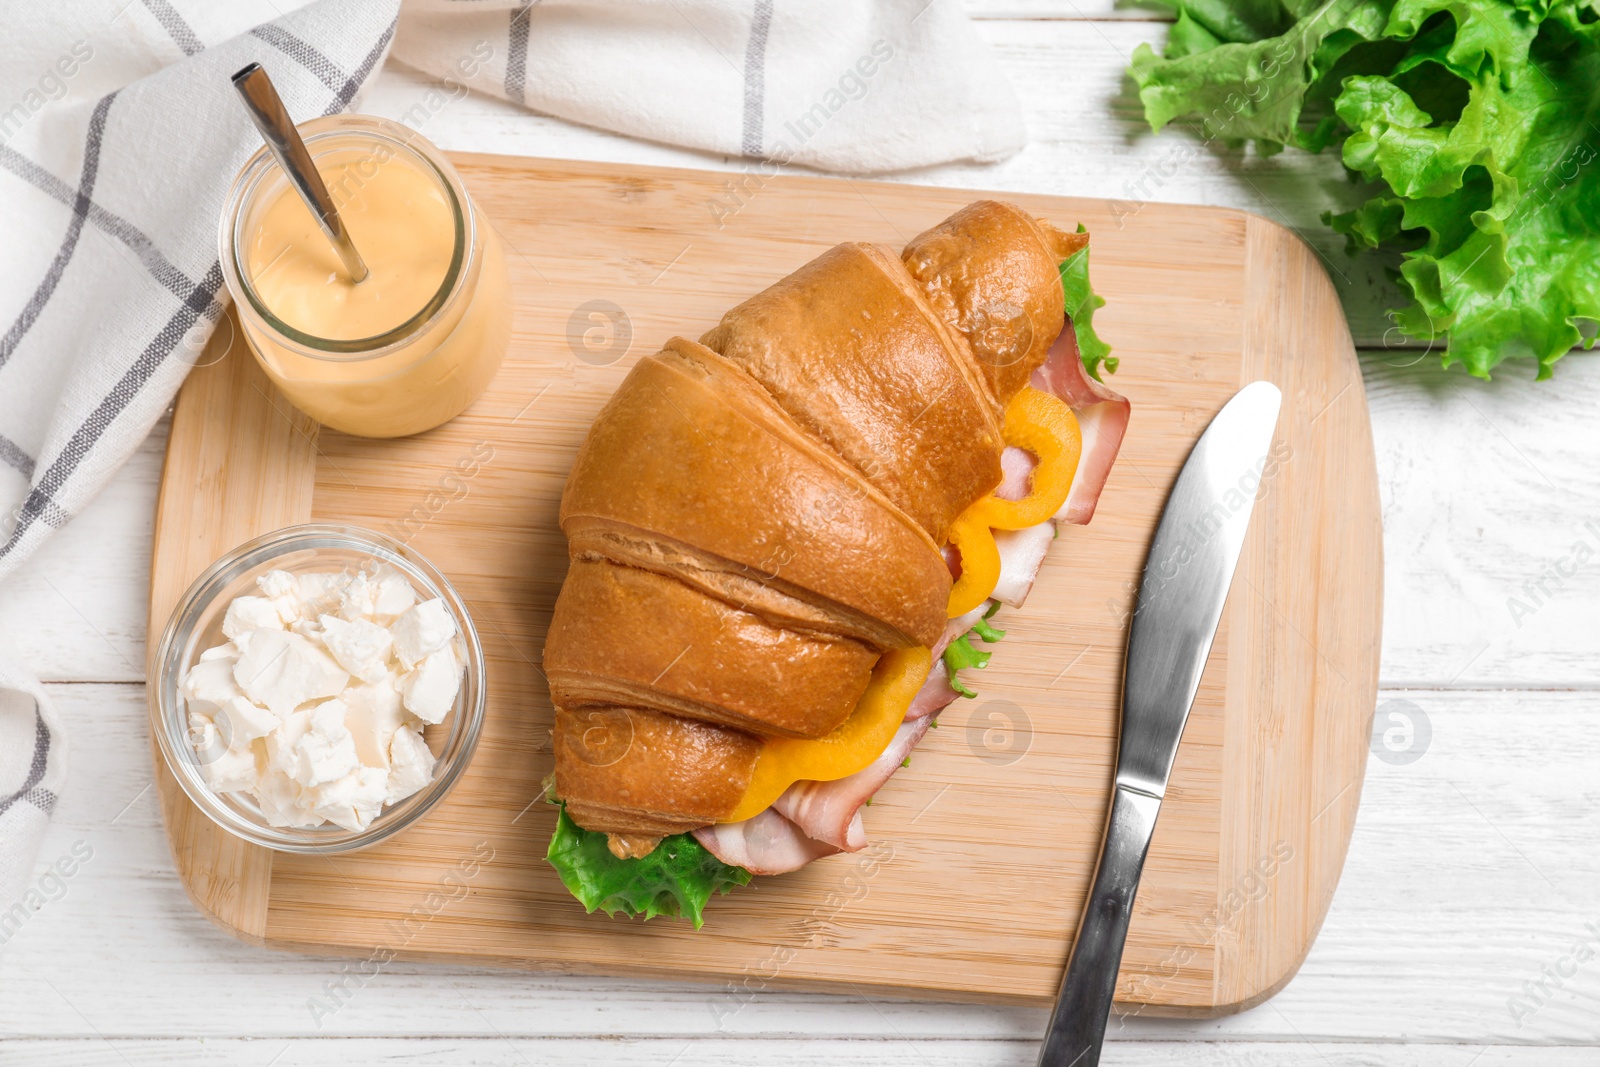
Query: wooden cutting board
[(983, 848)]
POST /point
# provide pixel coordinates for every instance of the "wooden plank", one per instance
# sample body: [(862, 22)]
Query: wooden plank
[(239, 463), (1188, 287), (1292, 760)]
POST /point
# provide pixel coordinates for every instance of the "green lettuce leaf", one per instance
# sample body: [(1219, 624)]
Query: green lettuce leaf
[(1081, 303), (1477, 120), (961, 654), (677, 879), (987, 633)]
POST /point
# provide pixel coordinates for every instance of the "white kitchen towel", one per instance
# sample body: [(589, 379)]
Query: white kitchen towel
[(119, 137), (33, 765), (116, 148), (846, 85)]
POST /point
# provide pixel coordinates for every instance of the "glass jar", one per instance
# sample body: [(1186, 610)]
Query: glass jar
[(433, 348), (196, 625)]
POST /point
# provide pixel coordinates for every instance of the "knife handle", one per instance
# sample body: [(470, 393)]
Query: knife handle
[(1078, 1025)]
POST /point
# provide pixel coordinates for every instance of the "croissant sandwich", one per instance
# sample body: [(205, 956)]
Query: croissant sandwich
[(785, 537)]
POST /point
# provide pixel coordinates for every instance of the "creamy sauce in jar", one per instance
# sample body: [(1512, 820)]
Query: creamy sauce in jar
[(400, 223), (416, 341)]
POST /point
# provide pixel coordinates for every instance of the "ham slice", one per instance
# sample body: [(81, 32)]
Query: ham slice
[(767, 843), (1021, 553), (952, 560), (935, 695), (1016, 473), (1102, 416), (830, 812)]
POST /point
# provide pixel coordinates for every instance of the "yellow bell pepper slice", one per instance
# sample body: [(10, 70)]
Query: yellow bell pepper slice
[(1042, 424), (980, 561), (852, 747)]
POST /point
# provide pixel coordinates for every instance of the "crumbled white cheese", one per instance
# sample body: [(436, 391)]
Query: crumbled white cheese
[(241, 722), (355, 599), (310, 629), (232, 771), (281, 743), (281, 670), (209, 684), (422, 630), (279, 800), (359, 646), (410, 764), (250, 613), (354, 800), (429, 691), (385, 594), (279, 587), (319, 591), (373, 715), (315, 704), (392, 595), (313, 747), (276, 584)]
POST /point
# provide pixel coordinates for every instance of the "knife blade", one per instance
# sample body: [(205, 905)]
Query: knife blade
[(1182, 591)]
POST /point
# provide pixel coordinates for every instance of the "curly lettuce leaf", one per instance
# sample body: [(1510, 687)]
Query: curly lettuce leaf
[(1081, 303), (961, 653), (676, 880), (1479, 121), (986, 633)]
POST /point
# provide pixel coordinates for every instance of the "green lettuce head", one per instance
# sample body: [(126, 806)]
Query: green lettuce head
[(1477, 120)]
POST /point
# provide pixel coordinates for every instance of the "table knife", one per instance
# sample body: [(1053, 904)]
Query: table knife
[(1181, 594)]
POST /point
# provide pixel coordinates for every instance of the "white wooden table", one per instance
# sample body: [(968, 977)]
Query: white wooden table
[(1458, 935)]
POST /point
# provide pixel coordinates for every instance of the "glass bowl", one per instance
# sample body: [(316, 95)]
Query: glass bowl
[(196, 625)]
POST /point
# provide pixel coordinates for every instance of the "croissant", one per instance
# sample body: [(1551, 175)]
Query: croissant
[(756, 519)]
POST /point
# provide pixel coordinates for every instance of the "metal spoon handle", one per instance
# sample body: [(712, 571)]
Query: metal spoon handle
[(283, 141)]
